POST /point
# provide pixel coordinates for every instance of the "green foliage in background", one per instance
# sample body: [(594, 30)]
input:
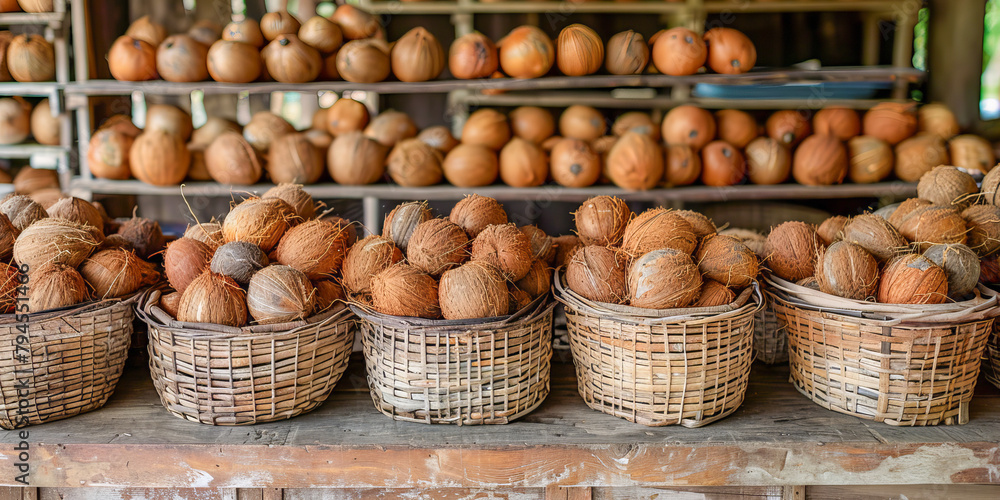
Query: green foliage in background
[(991, 42)]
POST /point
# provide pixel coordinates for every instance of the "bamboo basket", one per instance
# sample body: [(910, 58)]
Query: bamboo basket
[(221, 375), (905, 365), (770, 340), (70, 361), (662, 367), (991, 357), (462, 372)]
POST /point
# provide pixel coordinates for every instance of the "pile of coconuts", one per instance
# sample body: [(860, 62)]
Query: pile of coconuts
[(659, 259), (472, 264), (273, 259), (931, 249), (71, 253)]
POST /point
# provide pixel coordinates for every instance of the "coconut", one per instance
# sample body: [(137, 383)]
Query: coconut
[(989, 269), (391, 126), (215, 299), (905, 209), (887, 211), (727, 260), (912, 279), (972, 153), (987, 192), (209, 233), (56, 285), (848, 271), (259, 221), (22, 211), (115, 241), (918, 155), (170, 302), (184, 260), (30, 180), (328, 293), (601, 220), (504, 247), (294, 195), (934, 224), (47, 197), (238, 260), (77, 210), (830, 230), (983, 222), (791, 250), (117, 272), (437, 245), (714, 294), (702, 225), (365, 259), (317, 248), (349, 227), (538, 280), (400, 223), (542, 245), (473, 290), (280, 294), (9, 281), (658, 228), (486, 127), (107, 223), (597, 273), (946, 185), (755, 241), (230, 159), (961, 266), (414, 163), (565, 245), (8, 234), (635, 162), (294, 159), (519, 299), (54, 240), (144, 235), (405, 290), (875, 235), (438, 137), (474, 213), (663, 279)]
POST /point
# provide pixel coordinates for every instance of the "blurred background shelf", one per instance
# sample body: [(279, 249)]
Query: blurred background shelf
[(639, 7)]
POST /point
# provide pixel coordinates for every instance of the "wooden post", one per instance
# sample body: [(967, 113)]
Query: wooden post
[(955, 57)]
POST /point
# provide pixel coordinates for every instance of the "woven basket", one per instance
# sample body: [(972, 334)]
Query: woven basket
[(991, 357), (770, 340), (222, 375), (917, 366), (661, 367), (463, 372), (69, 362)]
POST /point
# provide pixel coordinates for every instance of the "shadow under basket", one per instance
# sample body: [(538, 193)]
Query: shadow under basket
[(221, 375), (69, 361), (912, 368), (687, 366), (462, 372)]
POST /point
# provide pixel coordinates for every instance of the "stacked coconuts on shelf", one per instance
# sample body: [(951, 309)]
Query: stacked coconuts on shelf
[(19, 120), (659, 259), (926, 250), (272, 260), (71, 253), (471, 265)]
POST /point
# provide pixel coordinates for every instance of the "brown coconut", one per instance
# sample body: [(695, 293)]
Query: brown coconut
[(474, 213), (215, 299), (702, 225), (77, 210), (960, 264), (598, 273), (871, 159), (917, 155), (504, 247), (55, 285), (238, 260), (983, 223), (8, 234), (523, 164), (144, 234), (538, 280), (905, 209), (848, 271), (209, 233), (405, 290), (230, 159), (259, 221), (972, 153), (831, 229), (365, 259), (937, 119), (22, 211), (115, 241), (635, 162), (29, 180), (989, 269), (658, 228), (821, 160), (317, 248), (486, 127), (184, 260), (294, 159), (9, 281), (946, 185), (727, 260), (891, 121), (934, 224), (602, 220), (400, 223), (328, 293), (54, 240), (663, 279), (293, 194), (280, 294), (791, 250), (354, 159), (912, 279), (988, 191), (170, 302), (874, 234), (349, 227), (117, 272), (519, 299), (755, 241), (473, 290), (714, 294), (437, 245), (414, 163), (565, 245)]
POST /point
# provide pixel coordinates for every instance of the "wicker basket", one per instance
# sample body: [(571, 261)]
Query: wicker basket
[(662, 367), (69, 362), (463, 372), (991, 356), (770, 340), (902, 365), (222, 375)]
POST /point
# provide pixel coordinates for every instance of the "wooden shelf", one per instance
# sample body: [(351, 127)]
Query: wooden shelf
[(777, 437), (639, 7), (31, 149), (833, 74), (626, 100), (540, 194)]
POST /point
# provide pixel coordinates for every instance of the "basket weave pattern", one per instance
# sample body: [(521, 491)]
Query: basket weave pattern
[(463, 374), (900, 374), (770, 341), (224, 376), (76, 358), (991, 357)]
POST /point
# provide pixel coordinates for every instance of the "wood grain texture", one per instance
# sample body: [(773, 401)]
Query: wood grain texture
[(777, 437)]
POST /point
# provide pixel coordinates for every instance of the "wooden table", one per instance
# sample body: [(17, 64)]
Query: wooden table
[(777, 441)]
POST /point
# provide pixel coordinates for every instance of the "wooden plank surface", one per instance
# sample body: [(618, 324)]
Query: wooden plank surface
[(778, 437)]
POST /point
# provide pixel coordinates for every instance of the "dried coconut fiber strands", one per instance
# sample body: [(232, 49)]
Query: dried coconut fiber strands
[(75, 357), (462, 372), (900, 364), (686, 366), (222, 375)]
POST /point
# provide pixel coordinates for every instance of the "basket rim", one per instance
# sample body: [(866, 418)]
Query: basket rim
[(534, 310), (149, 311), (91, 306)]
